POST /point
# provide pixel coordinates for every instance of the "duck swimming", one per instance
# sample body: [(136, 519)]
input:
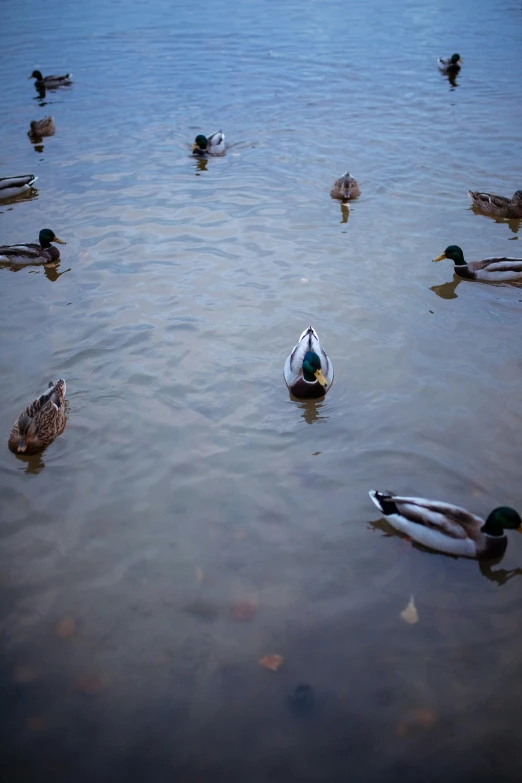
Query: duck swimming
[(50, 82), (41, 422), (211, 145), (448, 528), (44, 253), (308, 371), (490, 269)]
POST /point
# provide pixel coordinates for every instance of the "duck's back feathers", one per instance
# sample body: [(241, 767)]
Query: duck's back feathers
[(496, 270), (447, 66), (40, 128), (441, 526), (45, 419), (14, 186), (26, 254), (491, 204)]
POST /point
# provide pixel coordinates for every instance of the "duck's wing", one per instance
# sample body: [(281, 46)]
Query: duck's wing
[(53, 79), (53, 396), (442, 62), (497, 264), (488, 199), (216, 142), (217, 137), (447, 519), (21, 254), (13, 186)]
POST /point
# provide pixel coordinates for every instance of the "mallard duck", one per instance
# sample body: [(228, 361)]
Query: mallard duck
[(345, 188), (211, 145), (448, 528), (41, 422), (43, 253), (308, 370), (40, 128), (451, 65), (15, 186), (497, 205), (50, 82), (492, 269)]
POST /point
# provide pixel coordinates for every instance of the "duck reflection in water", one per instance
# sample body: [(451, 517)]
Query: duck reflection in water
[(513, 223), (200, 165), (34, 462), (452, 78), (499, 577), (447, 290), (310, 409), (345, 213), (50, 270)]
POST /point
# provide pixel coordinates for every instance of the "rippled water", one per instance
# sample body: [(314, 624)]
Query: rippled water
[(193, 518)]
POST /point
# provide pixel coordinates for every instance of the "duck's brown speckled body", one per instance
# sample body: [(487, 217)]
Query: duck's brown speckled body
[(499, 206), (41, 422)]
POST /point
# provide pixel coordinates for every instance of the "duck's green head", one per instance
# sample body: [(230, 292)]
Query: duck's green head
[(455, 58), (25, 432), (47, 236), (454, 253), (36, 75), (312, 368), (500, 519), (200, 143)]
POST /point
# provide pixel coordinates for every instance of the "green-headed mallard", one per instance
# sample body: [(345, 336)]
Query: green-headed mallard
[(490, 269), (43, 253), (40, 128), (451, 65), (41, 422), (209, 145), (15, 186), (500, 206), (345, 188), (308, 370), (50, 82), (448, 528)]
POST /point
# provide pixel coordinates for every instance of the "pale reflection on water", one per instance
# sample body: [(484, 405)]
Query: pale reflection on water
[(189, 521)]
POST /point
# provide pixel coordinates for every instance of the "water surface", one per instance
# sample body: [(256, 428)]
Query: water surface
[(193, 518)]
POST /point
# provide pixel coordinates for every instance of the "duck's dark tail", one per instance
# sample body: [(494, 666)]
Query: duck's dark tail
[(384, 501)]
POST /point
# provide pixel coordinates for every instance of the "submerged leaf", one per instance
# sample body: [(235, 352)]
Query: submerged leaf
[(410, 614), (89, 684), (272, 662), (244, 610), (66, 627)]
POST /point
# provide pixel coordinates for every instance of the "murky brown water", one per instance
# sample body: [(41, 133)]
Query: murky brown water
[(192, 518)]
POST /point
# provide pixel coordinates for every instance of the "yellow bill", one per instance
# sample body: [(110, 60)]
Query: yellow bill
[(195, 147), (60, 241), (320, 377), (439, 258)]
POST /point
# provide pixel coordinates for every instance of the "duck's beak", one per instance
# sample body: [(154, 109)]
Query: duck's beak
[(22, 445), (195, 147), (461, 60), (439, 258), (60, 241), (320, 377), (519, 529)]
